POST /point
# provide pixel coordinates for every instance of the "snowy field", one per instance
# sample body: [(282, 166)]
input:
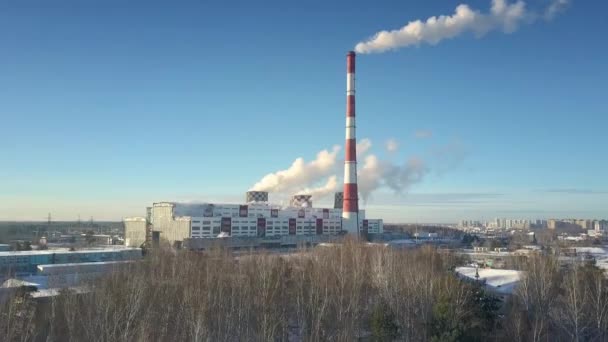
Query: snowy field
[(501, 281)]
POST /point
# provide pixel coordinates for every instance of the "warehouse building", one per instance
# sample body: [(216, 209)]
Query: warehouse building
[(27, 261)]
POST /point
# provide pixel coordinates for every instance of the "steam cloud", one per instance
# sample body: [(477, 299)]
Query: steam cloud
[(322, 176), (300, 174), (376, 174), (319, 192), (392, 145), (503, 15)]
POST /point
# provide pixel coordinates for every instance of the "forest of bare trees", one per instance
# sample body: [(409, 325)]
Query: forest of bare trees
[(343, 293)]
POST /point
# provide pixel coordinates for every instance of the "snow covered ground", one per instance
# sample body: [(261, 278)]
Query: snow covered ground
[(595, 251), (501, 281), (599, 253)]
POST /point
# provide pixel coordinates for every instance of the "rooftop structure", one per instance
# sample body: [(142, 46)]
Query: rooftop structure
[(256, 196), (301, 201)]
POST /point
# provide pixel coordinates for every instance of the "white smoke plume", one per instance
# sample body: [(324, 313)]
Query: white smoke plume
[(375, 174), (392, 145), (300, 174), (503, 15), (328, 188), (555, 8), (322, 176), (363, 147), (423, 134)]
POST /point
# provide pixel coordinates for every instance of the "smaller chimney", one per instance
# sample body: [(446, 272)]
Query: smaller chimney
[(256, 196), (299, 201), (338, 198)]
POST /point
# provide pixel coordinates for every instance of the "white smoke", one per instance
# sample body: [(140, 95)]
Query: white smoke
[(423, 134), (363, 147), (324, 190), (300, 174), (375, 174), (322, 176), (503, 15), (555, 8), (392, 145)]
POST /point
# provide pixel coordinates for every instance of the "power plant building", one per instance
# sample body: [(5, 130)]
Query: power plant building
[(135, 234), (257, 218), (179, 221)]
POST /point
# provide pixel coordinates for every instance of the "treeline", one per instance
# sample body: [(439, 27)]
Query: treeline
[(412, 229), (343, 293)]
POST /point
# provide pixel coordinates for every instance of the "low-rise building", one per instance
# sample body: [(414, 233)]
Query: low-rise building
[(27, 261)]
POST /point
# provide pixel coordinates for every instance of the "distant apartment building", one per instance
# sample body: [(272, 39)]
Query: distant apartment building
[(585, 224), (552, 224)]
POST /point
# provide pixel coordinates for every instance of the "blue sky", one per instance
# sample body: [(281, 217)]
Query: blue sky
[(107, 106)]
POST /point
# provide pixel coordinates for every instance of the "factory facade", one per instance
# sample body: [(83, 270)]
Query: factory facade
[(179, 221)]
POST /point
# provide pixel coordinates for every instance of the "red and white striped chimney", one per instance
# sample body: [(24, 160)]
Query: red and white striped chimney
[(350, 207)]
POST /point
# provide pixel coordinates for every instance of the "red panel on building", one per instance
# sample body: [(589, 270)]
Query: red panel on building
[(208, 210), (227, 225), (292, 226), (261, 227), (243, 211), (319, 226)]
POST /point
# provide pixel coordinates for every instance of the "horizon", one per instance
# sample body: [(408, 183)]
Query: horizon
[(111, 106)]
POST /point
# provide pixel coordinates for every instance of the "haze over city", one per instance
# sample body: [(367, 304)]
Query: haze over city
[(110, 106)]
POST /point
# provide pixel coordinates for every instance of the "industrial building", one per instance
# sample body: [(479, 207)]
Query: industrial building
[(136, 233), (179, 221), (28, 261)]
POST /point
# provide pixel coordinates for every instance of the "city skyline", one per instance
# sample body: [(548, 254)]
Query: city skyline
[(113, 106)]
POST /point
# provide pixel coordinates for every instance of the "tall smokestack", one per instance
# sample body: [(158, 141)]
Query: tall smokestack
[(350, 204)]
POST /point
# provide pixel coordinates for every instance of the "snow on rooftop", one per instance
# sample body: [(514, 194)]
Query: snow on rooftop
[(401, 242), (17, 283), (223, 235), (590, 250), (106, 249), (501, 281), (82, 264), (57, 291)]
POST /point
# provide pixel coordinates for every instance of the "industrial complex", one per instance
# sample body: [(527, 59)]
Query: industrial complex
[(178, 222)]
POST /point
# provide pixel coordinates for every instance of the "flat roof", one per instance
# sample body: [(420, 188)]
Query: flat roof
[(56, 291), (67, 251), (76, 264)]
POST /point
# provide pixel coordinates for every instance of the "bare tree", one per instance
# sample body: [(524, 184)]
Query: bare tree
[(537, 292)]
